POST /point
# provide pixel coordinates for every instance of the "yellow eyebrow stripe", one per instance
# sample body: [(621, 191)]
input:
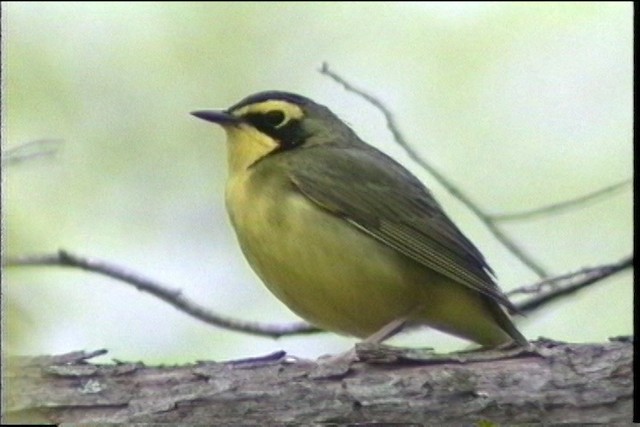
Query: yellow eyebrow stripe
[(291, 111)]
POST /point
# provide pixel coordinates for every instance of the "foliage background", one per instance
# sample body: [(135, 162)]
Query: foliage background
[(520, 104)]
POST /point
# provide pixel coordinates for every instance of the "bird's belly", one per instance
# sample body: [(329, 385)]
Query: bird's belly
[(323, 268)]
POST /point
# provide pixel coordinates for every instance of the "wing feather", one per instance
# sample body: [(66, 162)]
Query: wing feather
[(381, 198)]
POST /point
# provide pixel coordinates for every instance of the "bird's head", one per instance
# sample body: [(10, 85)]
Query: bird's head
[(270, 122)]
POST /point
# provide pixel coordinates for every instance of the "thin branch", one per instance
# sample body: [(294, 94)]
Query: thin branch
[(575, 282), (75, 357), (513, 247), (30, 150), (562, 206), (172, 296), (554, 283)]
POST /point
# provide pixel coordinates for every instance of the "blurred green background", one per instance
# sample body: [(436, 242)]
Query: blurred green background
[(521, 105)]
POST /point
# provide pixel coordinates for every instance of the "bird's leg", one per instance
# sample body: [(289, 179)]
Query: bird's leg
[(377, 337), (387, 331), (340, 364)]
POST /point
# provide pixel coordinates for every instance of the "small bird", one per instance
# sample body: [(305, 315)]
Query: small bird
[(344, 235)]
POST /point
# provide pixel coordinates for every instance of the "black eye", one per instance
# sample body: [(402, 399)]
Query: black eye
[(273, 118)]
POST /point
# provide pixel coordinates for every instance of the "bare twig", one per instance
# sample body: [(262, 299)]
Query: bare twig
[(75, 357), (574, 282), (562, 206), (171, 296), (30, 150), (513, 247), (556, 282)]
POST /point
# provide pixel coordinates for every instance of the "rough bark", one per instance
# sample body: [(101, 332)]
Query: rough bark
[(548, 382)]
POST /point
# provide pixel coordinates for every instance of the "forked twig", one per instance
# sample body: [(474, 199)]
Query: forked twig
[(567, 284)]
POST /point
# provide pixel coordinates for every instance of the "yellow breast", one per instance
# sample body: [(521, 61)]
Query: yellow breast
[(321, 267)]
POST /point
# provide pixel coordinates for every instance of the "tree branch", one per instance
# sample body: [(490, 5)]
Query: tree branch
[(547, 383)]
